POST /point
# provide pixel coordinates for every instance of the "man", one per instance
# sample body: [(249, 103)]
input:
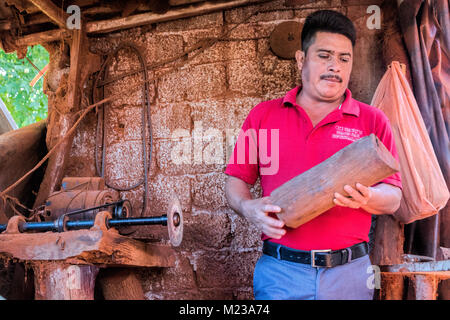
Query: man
[(310, 124)]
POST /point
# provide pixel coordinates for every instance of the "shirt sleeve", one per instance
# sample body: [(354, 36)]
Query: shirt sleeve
[(243, 163), (384, 133)]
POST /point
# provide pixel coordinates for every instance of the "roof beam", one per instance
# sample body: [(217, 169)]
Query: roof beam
[(104, 26), (57, 15)]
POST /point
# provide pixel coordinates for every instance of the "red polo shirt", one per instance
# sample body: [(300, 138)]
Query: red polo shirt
[(279, 142)]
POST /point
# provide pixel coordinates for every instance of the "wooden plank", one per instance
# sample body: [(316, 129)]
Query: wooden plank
[(432, 266), (442, 275), (57, 15), (311, 193), (97, 247)]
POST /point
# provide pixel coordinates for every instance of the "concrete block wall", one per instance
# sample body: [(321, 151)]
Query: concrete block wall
[(198, 104)]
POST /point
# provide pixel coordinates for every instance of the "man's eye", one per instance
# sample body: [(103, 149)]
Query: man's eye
[(345, 60), (323, 56)]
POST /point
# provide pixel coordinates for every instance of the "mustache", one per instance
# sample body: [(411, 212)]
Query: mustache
[(331, 76)]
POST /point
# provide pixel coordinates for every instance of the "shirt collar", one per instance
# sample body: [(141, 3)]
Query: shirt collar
[(349, 106)]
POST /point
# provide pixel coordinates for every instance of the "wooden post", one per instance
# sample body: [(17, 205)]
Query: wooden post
[(120, 284), (389, 239), (311, 193), (56, 164), (61, 281), (425, 286), (392, 286)]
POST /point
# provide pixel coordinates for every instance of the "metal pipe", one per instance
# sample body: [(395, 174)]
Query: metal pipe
[(86, 224)]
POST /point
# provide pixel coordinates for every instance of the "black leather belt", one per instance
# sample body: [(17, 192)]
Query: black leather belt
[(316, 258)]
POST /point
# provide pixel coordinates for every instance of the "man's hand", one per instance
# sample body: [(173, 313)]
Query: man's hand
[(257, 210), (358, 198), (381, 199)]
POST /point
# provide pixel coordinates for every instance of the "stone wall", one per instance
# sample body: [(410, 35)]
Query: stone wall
[(204, 92)]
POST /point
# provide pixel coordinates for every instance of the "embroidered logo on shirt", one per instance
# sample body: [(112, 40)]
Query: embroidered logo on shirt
[(347, 133)]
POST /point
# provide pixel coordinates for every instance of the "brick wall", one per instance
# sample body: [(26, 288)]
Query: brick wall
[(197, 96)]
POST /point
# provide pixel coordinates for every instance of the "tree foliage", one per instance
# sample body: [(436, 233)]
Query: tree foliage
[(25, 103)]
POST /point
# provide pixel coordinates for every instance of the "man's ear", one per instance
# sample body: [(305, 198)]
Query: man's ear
[(300, 58)]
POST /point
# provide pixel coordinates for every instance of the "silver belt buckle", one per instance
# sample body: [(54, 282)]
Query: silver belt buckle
[(313, 256)]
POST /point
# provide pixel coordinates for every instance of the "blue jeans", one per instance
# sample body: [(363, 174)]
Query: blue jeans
[(276, 279)]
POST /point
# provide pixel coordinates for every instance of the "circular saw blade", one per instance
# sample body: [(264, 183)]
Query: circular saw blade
[(285, 39), (175, 222)]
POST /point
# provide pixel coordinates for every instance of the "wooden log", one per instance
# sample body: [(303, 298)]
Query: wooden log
[(20, 150), (61, 281), (311, 193), (120, 284)]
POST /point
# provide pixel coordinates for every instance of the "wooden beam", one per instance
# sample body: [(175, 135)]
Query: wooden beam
[(76, 58), (182, 2), (57, 15), (56, 165), (104, 26), (42, 37), (150, 17)]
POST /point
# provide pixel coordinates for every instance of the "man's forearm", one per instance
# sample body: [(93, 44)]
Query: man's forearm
[(236, 191), (385, 199)]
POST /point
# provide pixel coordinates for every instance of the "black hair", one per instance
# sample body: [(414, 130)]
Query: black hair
[(326, 21)]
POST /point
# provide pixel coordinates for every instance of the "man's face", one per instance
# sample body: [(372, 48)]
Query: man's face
[(327, 66)]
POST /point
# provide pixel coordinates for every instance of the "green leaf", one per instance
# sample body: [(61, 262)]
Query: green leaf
[(25, 103)]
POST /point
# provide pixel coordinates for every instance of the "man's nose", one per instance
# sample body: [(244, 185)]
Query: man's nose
[(333, 65)]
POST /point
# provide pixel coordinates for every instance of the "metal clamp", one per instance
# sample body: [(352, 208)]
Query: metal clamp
[(60, 224)]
